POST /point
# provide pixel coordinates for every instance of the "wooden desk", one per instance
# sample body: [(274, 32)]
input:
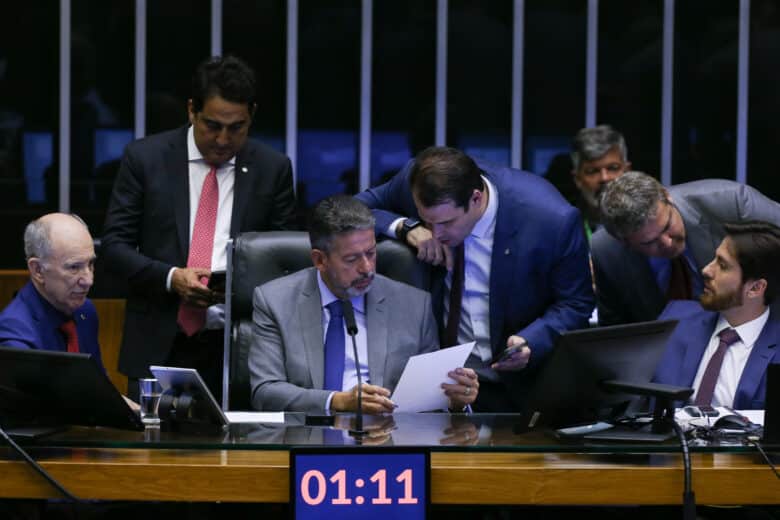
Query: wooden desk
[(456, 477)]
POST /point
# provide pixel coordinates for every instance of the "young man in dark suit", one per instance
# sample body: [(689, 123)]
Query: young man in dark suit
[(179, 196), (724, 343), (524, 274)]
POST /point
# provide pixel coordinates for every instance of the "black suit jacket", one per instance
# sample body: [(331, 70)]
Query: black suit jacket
[(146, 232)]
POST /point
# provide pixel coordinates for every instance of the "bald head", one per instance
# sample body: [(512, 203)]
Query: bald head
[(61, 259)]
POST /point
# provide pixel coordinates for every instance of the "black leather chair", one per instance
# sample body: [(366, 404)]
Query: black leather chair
[(260, 257)]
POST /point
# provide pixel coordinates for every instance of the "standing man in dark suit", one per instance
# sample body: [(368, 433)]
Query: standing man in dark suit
[(722, 348), (52, 312), (513, 250), (657, 240), (179, 196)]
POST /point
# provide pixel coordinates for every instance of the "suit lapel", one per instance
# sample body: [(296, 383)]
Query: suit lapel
[(699, 237), (241, 188), (756, 366), (376, 338), (698, 338), (177, 174), (505, 261), (310, 318)]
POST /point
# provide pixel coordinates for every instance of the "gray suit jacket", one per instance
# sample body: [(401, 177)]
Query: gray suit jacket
[(626, 288), (287, 360)]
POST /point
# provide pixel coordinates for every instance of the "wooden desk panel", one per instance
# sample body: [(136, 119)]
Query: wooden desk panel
[(457, 478)]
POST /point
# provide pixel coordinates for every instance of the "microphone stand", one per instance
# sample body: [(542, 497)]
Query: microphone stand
[(349, 317)]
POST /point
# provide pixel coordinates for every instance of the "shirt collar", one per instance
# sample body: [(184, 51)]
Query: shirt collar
[(748, 331), (486, 224), (327, 297), (193, 152)]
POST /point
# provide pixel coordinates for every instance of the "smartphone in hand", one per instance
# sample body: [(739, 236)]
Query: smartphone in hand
[(505, 354)]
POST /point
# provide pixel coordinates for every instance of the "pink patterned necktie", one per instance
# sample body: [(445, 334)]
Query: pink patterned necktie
[(191, 318)]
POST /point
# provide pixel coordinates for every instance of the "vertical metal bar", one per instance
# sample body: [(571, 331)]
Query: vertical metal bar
[(366, 51), (743, 86), (667, 93), (216, 27), (140, 68), (227, 338), (442, 9), (591, 63), (291, 146), (518, 62), (64, 155)]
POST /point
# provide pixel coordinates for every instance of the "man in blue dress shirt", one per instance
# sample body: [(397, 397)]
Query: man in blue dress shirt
[(52, 312)]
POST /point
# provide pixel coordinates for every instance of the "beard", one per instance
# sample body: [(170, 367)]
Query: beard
[(718, 302), (353, 291)]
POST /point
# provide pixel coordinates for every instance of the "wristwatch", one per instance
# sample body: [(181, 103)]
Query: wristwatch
[(408, 225)]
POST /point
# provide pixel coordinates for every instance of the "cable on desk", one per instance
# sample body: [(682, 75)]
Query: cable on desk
[(37, 467), (689, 498), (753, 439)]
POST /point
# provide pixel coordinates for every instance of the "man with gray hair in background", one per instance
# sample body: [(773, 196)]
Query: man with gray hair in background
[(656, 240), (599, 155), (52, 311)]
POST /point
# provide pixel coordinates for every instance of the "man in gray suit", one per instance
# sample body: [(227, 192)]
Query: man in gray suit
[(292, 361), (657, 240)]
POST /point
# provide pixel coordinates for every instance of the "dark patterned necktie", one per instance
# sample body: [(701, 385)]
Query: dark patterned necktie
[(456, 298), (680, 280), (707, 386)]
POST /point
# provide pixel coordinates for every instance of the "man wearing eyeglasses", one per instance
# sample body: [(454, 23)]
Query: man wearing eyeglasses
[(599, 155), (178, 197), (657, 240)]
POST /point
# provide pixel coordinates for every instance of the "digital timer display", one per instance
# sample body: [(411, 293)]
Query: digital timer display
[(359, 483)]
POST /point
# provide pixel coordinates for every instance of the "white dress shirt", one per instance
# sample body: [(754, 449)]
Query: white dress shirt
[(349, 379), (475, 307), (198, 170), (733, 362)]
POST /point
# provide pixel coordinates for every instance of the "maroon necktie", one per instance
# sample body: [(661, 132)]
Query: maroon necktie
[(71, 336), (191, 318), (456, 297), (707, 386), (680, 282)]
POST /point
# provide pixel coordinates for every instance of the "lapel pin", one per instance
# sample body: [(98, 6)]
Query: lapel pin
[(506, 251), (244, 169)]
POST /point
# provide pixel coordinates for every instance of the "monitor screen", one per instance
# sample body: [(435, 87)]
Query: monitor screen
[(568, 388), (41, 387)]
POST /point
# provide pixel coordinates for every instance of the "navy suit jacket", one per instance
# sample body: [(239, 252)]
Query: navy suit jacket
[(146, 232), (30, 321), (689, 340), (540, 283)]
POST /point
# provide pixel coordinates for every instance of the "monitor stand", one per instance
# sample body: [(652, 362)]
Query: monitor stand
[(659, 428)]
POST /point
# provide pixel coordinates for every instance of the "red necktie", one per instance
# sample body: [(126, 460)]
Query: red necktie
[(456, 297), (191, 318), (707, 386), (71, 336)]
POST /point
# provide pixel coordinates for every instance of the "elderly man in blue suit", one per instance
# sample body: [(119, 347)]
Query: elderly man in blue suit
[(724, 343), (514, 253), (52, 311)]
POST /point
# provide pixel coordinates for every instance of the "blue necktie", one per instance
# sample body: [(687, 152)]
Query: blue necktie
[(334, 348)]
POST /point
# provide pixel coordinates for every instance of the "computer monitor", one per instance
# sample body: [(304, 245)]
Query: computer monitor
[(48, 388), (569, 390)]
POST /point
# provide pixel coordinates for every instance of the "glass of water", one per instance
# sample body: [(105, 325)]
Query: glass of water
[(150, 393)]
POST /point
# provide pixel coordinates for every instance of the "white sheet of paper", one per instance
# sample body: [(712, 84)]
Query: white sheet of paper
[(419, 389), (255, 417)]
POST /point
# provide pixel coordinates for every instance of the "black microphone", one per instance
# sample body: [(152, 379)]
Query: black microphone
[(352, 329)]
